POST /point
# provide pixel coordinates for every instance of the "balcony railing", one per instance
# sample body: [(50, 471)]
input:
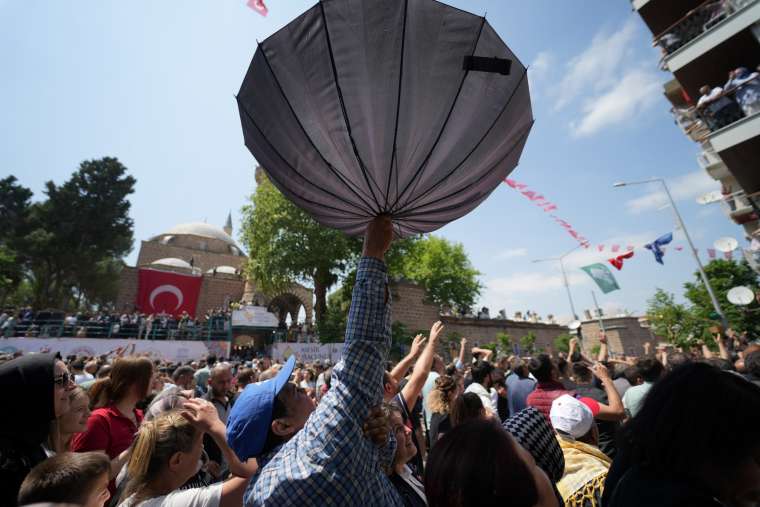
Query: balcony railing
[(723, 109), (694, 23), (740, 206), (213, 329), (708, 159)]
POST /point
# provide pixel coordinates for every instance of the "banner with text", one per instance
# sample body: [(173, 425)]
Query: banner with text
[(307, 352), (170, 350)]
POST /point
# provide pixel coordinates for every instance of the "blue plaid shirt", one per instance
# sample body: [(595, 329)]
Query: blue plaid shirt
[(330, 462)]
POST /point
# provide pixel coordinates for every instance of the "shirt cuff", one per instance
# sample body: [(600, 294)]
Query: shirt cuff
[(371, 266)]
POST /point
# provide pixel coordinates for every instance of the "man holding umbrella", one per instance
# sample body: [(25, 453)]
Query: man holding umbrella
[(330, 461)]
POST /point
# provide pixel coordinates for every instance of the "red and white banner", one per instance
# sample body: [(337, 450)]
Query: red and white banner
[(166, 292)]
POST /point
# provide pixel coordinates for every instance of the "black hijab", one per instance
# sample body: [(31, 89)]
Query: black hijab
[(28, 390), (27, 386)]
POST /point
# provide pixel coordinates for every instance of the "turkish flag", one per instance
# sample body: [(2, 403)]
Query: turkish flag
[(162, 291)]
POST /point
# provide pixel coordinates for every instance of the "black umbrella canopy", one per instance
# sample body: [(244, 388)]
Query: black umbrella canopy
[(363, 107)]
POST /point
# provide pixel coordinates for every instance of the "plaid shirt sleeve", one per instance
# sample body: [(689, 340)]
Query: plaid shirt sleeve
[(330, 462)]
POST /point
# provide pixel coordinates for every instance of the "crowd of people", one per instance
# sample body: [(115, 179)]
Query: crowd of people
[(720, 106), (111, 324), (668, 428)]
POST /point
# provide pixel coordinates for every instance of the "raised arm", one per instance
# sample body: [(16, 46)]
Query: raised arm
[(614, 411), (203, 415), (413, 388), (460, 360), (399, 372), (604, 352)]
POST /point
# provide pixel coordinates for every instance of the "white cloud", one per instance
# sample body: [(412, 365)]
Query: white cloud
[(597, 67), (531, 283), (539, 69), (684, 187), (511, 253), (636, 90)]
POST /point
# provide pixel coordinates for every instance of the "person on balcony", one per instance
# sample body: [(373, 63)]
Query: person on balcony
[(747, 86), (719, 110)]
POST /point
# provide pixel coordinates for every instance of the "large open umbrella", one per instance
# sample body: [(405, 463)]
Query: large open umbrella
[(406, 107)]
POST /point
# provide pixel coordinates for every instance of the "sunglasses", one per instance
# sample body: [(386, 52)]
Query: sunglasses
[(63, 379)]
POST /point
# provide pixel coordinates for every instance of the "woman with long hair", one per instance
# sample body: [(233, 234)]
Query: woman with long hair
[(478, 463), (36, 389), (167, 452), (466, 407), (439, 404), (695, 441), (74, 421), (115, 419)]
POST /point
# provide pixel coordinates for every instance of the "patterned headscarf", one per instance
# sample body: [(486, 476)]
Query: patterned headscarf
[(531, 429)]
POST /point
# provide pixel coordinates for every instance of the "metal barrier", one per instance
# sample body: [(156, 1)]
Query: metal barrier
[(214, 329)]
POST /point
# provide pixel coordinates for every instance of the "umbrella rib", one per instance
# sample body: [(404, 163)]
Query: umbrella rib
[(445, 122), (303, 129), (474, 148), (359, 160), (409, 213), (265, 138), (398, 108)]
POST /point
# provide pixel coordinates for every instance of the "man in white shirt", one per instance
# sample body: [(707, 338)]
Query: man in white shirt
[(481, 385)]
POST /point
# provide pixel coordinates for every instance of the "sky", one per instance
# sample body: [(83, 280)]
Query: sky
[(153, 83)]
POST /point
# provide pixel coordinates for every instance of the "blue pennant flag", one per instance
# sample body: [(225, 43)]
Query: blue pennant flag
[(656, 246)]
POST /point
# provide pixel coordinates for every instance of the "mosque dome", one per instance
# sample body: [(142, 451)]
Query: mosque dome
[(203, 230), (173, 262)]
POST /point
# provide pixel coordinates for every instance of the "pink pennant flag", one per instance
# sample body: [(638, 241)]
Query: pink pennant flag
[(258, 6), (728, 255), (600, 248), (629, 248), (551, 207), (679, 248), (711, 253), (615, 248)]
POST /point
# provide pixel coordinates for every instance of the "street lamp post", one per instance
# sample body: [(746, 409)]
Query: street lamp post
[(564, 276), (680, 223)]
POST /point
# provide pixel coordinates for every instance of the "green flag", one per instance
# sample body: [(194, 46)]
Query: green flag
[(602, 276)]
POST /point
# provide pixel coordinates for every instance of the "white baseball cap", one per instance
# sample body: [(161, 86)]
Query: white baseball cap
[(571, 416)]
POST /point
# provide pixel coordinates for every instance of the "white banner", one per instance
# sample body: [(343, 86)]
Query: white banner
[(254, 316), (169, 350), (307, 352)]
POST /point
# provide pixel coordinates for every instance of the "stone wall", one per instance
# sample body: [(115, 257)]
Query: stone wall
[(625, 335), (151, 251), (215, 290), (412, 308)]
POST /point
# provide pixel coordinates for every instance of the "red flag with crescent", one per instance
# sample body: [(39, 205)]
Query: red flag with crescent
[(163, 291)]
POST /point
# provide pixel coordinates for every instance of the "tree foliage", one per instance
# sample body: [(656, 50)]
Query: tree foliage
[(723, 276), (689, 324), (528, 343), (445, 271), (73, 240), (286, 245), (562, 342)]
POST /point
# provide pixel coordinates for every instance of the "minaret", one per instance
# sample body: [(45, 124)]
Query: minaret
[(228, 224)]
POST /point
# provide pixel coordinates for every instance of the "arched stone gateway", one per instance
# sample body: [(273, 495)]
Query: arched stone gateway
[(287, 302)]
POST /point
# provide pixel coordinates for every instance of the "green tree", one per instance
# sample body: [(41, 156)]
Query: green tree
[(562, 342), (673, 321), (723, 276), (82, 224), (286, 245), (528, 343), (14, 215), (445, 271), (505, 342)]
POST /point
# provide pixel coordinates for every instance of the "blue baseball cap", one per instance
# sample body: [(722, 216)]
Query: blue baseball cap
[(251, 416)]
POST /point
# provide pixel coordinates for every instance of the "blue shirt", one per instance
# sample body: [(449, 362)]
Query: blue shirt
[(330, 462), (518, 390)]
